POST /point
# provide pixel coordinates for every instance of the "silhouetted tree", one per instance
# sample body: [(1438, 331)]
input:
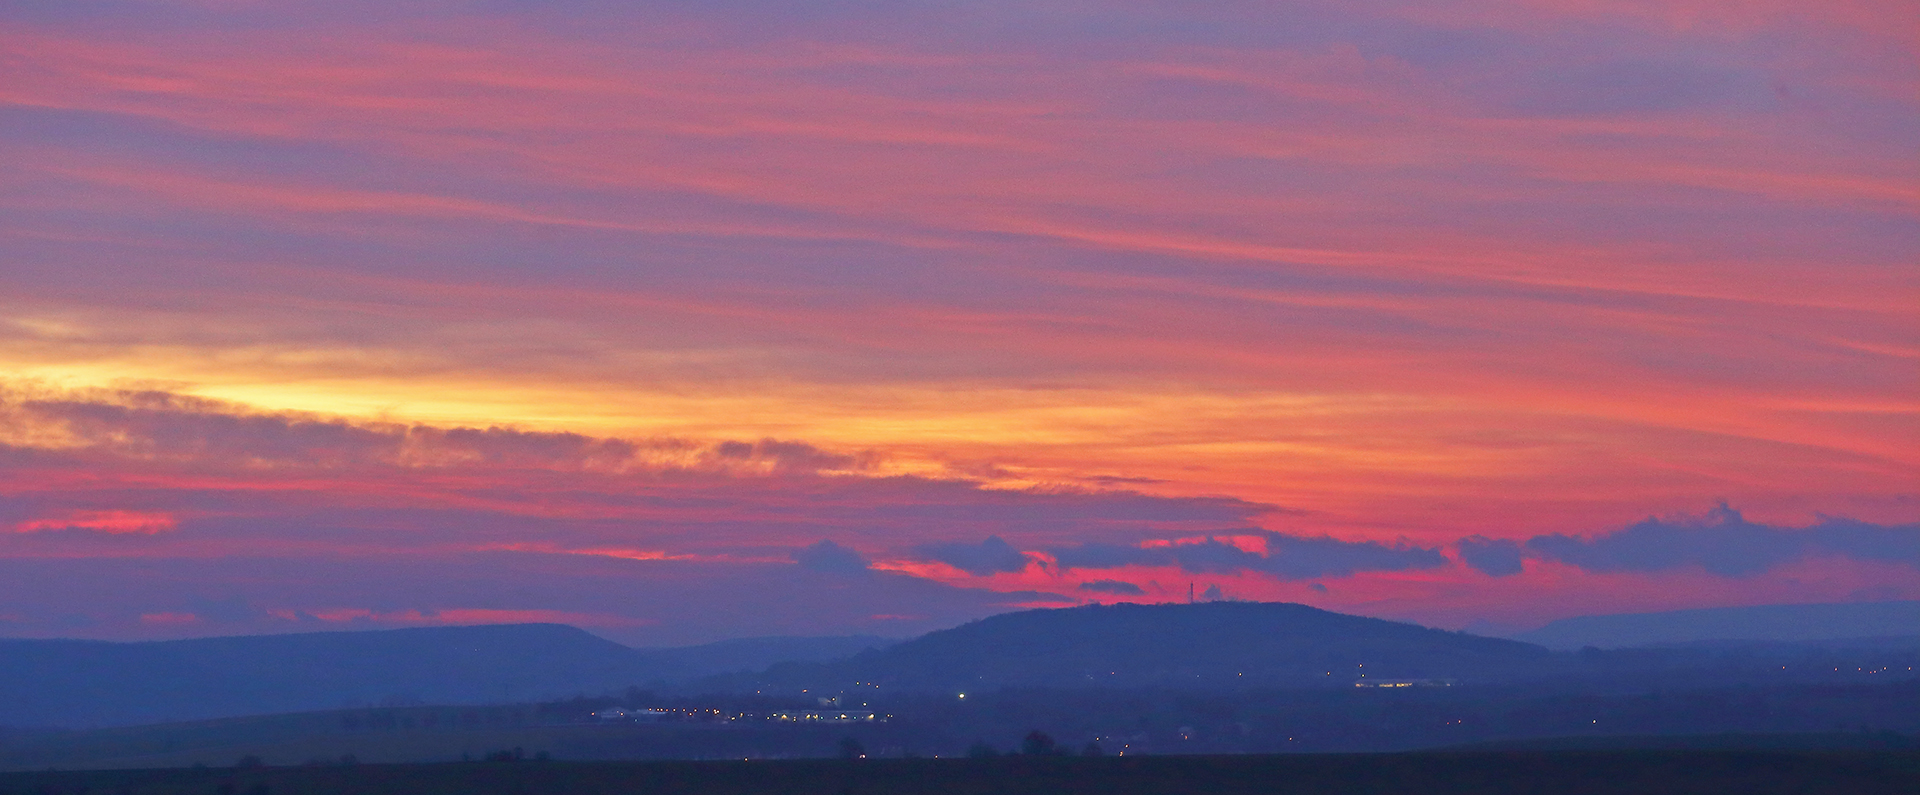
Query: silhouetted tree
[(1093, 748), (1038, 743)]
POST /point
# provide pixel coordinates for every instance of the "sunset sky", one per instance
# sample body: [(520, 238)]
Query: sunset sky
[(680, 321)]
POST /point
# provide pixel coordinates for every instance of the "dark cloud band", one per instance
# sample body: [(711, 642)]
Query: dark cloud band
[(992, 556), (1723, 542), (1288, 557), (1720, 542)]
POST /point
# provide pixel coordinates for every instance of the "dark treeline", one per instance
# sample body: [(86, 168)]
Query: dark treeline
[(1573, 773)]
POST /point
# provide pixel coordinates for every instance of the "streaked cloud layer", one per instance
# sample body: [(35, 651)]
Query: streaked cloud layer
[(1394, 307), (148, 514)]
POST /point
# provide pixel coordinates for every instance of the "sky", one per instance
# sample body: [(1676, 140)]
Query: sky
[(681, 321)]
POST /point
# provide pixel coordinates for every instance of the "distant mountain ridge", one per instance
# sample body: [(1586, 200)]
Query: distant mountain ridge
[(1210, 645), (1790, 623), (1207, 645), (99, 683)]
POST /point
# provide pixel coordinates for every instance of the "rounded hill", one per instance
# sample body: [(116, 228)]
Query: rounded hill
[(1207, 646)]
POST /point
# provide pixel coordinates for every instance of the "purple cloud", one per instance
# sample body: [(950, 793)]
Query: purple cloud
[(1723, 542), (1490, 556), (992, 556), (826, 556), (1115, 587), (1287, 557)]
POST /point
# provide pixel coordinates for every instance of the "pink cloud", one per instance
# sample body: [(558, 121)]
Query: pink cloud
[(661, 290), (112, 522), (169, 619)]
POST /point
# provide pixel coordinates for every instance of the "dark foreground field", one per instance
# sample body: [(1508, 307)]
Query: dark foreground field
[(1627, 772)]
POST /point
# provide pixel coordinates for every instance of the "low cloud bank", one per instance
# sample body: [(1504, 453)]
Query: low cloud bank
[(1725, 543), (1288, 557), (992, 556), (826, 556), (1497, 557), (1721, 541), (1115, 587)]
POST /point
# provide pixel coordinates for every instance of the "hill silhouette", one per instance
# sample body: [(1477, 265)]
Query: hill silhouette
[(1207, 645), (79, 683)]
